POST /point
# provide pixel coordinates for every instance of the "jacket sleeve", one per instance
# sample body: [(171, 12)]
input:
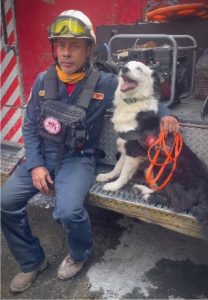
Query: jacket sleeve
[(32, 139), (164, 111), (112, 85)]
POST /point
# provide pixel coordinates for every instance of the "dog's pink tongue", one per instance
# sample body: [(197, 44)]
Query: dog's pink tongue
[(127, 85)]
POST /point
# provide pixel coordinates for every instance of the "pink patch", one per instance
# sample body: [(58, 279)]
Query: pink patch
[(52, 125)]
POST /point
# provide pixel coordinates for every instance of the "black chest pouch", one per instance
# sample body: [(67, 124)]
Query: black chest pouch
[(63, 123)]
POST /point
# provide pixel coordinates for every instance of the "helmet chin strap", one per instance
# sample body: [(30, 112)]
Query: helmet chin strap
[(53, 54)]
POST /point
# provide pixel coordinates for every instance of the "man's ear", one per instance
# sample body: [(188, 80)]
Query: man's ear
[(90, 46), (91, 49)]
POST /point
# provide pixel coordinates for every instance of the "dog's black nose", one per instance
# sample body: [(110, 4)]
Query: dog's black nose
[(125, 70)]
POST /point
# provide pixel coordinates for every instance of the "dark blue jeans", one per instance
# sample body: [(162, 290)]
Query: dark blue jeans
[(72, 183)]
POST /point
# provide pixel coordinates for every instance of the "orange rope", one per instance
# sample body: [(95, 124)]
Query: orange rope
[(171, 156)]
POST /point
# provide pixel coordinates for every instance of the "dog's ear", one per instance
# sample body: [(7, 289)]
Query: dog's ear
[(105, 66), (156, 84)]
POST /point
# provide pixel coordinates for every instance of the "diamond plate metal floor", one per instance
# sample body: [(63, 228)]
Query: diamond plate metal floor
[(11, 155)]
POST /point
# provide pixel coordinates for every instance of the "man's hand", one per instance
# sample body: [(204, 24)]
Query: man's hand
[(169, 124), (41, 178)]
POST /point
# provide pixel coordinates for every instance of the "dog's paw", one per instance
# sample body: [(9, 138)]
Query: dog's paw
[(111, 186), (143, 189), (102, 177)]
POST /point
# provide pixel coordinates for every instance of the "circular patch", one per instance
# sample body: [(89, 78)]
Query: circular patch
[(52, 125)]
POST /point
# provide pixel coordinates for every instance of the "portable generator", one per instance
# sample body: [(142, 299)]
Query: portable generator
[(173, 60)]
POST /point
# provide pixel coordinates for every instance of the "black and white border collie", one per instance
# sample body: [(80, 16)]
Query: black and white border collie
[(135, 115)]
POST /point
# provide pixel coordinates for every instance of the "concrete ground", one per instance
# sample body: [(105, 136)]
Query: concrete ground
[(131, 260)]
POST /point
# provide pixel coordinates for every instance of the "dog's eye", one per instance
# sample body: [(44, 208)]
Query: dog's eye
[(139, 69)]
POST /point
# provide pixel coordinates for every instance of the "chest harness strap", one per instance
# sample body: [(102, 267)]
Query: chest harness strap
[(62, 122)]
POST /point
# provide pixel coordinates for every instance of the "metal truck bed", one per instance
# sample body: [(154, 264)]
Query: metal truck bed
[(126, 200)]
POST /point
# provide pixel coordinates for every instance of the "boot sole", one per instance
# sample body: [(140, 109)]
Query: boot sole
[(20, 290)]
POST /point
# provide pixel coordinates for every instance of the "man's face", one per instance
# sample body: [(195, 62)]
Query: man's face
[(71, 54)]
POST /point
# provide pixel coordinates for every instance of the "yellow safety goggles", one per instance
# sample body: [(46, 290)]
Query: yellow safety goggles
[(68, 25)]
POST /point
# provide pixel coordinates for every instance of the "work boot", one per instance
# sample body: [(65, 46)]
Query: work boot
[(22, 280), (68, 268)]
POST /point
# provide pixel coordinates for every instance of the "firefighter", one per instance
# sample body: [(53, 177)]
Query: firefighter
[(60, 140)]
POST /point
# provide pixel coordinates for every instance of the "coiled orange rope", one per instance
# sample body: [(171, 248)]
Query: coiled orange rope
[(171, 156)]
